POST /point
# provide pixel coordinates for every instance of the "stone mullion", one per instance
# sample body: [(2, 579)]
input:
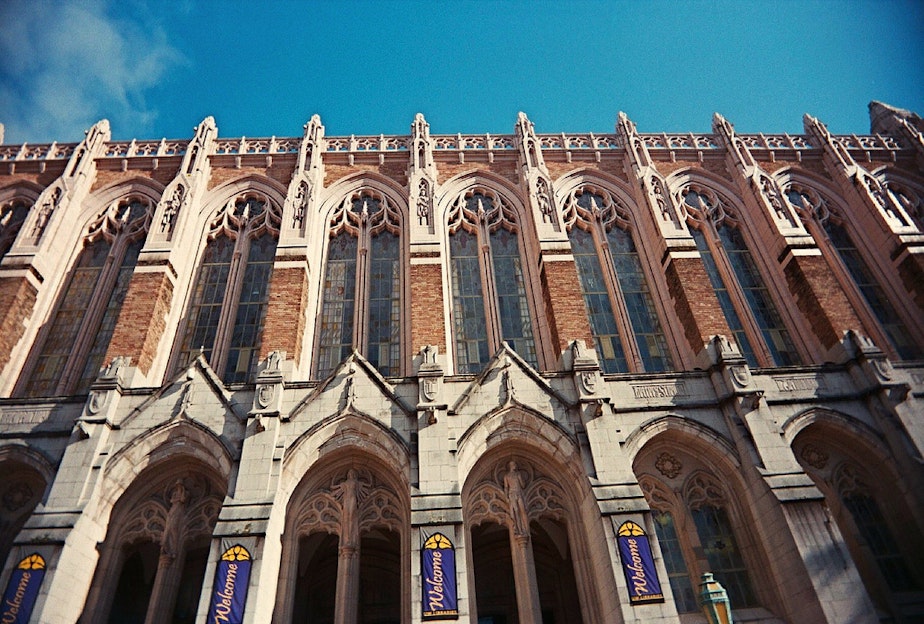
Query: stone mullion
[(166, 585), (362, 292), (220, 346), (347, 604), (495, 338)]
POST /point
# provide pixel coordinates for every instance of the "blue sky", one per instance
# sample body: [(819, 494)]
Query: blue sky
[(263, 68)]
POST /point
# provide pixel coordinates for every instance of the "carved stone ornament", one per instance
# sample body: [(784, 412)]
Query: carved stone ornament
[(44, 215), (428, 388), (588, 382), (545, 201), (302, 197), (265, 395), (515, 494), (172, 209), (741, 375), (814, 456), (97, 401), (424, 203), (17, 495), (883, 368), (668, 465)]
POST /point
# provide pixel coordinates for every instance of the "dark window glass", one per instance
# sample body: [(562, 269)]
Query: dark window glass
[(336, 339), (597, 300), (674, 562), (208, 297), (384, 350), (880, 541), (875, 296), (469, 322), (12, 216), (723, 555), (513, 310)]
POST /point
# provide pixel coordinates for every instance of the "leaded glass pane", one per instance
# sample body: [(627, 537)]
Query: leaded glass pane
[(652, 345), (875, 296), (725, 301), (513, 308), (336, 336), (110, 316), (469, 324), (247, 332), (674, 562), (880, 541), (385, 305), (597, 300), (65, 326), (758, 297), (208, 296), (721, 550)]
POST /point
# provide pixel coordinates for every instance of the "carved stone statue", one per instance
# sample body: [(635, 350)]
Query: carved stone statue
[(349, 491), (513, 488), (170, 545), (424, 203)]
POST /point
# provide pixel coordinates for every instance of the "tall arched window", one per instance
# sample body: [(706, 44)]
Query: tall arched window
[(746, 302), (228, 303), (489, 293), (361, 296), (12, 215), (78, 334), (614, 286), (825, 222)]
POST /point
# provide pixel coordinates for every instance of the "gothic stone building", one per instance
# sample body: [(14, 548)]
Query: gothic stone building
[(384, 379)]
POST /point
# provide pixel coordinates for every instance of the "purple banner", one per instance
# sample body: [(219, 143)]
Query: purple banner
[(22, 590), (230, 592), (439, 578), (638, 565)]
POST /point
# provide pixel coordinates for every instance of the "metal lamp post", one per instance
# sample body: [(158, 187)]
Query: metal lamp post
[(714, 600)]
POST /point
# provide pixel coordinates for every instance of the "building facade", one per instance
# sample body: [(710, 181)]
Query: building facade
[(394, 378)]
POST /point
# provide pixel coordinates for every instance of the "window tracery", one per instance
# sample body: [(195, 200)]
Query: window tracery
[(361, 293), (832, 228), (618, 298), (12, 215), (743, 296), (489, 292), (695, 533), (229, 298), (81, 327)]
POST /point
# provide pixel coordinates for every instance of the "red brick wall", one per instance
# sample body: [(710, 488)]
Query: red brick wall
[(564, 304), (17, 299), (820, 298), (284, 326), (695, 302), (427, 317), (142, 320)]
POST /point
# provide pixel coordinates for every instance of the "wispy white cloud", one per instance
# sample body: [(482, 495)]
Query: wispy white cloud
[(65, 65)]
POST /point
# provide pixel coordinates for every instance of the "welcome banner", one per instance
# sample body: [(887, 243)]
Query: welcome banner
[(22, 590), (439, 578), (638, 564), (230, 592)]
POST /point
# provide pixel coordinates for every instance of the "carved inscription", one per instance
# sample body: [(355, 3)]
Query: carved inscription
[(659, 391), (23, 417), (797, 384)]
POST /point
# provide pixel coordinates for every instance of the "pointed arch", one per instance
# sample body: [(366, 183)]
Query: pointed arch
[(490, 272), (747, 290), (363, 242)]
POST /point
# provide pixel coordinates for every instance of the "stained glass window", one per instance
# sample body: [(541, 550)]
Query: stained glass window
[(755, 299), (875, 296), (362, 287), (597, 300), (482, 223), (231, 291), (881, 542), (66, 364), (632, 295), (676, 566), (721, 550)]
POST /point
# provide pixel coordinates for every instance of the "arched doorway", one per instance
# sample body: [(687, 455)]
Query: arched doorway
[(21, 489), (345, 558), (522, 533), (152, 564)]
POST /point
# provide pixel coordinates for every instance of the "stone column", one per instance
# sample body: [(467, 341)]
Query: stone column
[(524, 567), (170, 563), (346, 609)]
